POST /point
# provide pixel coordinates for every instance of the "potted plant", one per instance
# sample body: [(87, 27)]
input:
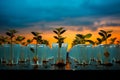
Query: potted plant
[(81, 39), (60, 39), (11, 34), (38, 39), (105, 35)]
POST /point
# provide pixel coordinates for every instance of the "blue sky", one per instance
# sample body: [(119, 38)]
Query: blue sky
[(46, 13)]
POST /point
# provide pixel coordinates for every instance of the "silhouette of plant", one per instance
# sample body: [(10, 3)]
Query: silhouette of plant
[(11, 34), (28, 41), (44, 42), (59, 32), (38, 39), (60, 39), (118, 42), (82, 39), (105, 35), (20, 39)]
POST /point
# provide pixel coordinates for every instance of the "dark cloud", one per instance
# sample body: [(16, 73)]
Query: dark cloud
[(21, 13)]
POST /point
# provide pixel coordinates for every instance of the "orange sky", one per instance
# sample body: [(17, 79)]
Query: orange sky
[(69, 34)]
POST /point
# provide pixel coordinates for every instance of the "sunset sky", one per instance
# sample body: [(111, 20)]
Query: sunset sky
[(76, 16)]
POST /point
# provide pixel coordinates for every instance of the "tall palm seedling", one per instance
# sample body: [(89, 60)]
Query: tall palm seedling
[(60, 39), (38, 39), (82, 39), (11, 34), (20, 40), (105, 35)]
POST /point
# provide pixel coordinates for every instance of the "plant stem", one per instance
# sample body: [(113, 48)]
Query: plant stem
[(59, 54), (11, 52), (21, 53), (106, 41), (36, 49), (4, 52)]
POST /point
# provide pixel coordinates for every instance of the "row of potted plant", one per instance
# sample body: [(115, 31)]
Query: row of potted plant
[(79, 39)]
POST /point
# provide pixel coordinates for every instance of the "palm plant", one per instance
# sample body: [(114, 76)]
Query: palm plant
[(82, 39), (38, 39), (20, 39), (105, 35), (11, 34), (60, 39)]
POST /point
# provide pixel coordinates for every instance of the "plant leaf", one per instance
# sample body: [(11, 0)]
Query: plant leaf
[(80, 36), (100, 40), (32, 50), (59, 29), (104, 32), (9, 34), (108, 35), (55, 32), (109, 31), (20, 38), (101, 34), (34, 33), (56, 37), (29, 41), (62, 31), (88, 35), (90, 41)]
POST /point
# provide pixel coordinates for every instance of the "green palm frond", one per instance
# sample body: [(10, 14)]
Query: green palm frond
[(87, 35), (105, 35), (59, 32), (35, 33), (55, 31), (62, 31)]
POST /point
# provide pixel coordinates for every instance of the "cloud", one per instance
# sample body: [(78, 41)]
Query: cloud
[(47, 13)]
